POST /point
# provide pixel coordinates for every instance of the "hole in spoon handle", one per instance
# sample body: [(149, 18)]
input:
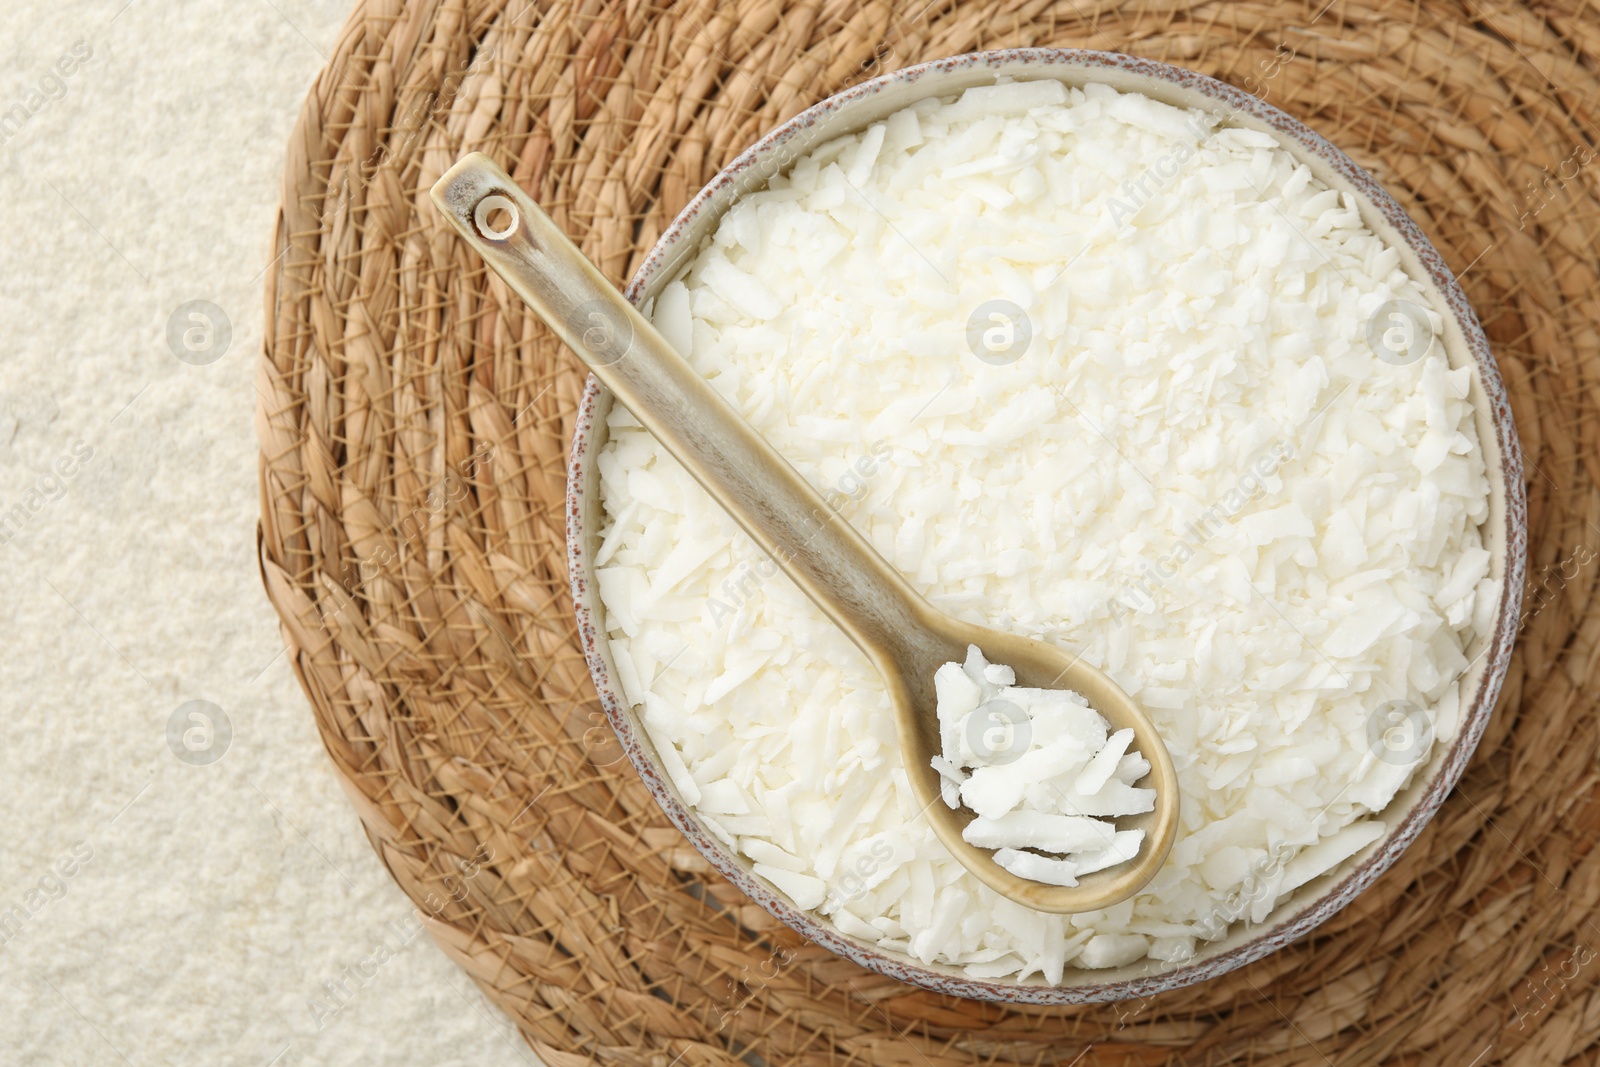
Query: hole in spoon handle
[(490, 208)]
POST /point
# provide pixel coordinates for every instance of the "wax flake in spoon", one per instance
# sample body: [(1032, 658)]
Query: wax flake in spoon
[(1041, 769)]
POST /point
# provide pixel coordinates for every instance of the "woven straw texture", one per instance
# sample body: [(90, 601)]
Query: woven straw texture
[(414, 423)]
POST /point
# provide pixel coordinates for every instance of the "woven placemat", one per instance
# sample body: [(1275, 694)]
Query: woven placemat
[(414, 422)]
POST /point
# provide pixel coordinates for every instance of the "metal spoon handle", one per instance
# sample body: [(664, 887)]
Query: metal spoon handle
[(825, 556)]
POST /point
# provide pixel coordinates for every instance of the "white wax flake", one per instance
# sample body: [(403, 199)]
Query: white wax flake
[(1104, 764), (1048, 833), (1038, 868), (1200, 473)]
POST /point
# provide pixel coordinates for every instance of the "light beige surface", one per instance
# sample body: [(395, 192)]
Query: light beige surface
[(228, 912)]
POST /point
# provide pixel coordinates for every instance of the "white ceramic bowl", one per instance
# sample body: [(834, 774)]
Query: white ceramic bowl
[(1464, 343)]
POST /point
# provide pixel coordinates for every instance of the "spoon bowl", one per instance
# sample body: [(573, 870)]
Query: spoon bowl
[(905, 637), (942, 639)]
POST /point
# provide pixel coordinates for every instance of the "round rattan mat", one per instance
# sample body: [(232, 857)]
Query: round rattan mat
[(414, 423)]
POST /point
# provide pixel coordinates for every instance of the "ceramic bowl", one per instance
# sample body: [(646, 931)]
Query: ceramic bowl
[(1464, 344)]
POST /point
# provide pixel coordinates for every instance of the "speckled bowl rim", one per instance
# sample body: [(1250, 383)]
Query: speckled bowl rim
[(669, 252)]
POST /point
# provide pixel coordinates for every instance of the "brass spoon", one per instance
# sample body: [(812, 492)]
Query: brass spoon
[(905, 637)]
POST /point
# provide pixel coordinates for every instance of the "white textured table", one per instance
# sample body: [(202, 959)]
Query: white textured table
[(203, 895)]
